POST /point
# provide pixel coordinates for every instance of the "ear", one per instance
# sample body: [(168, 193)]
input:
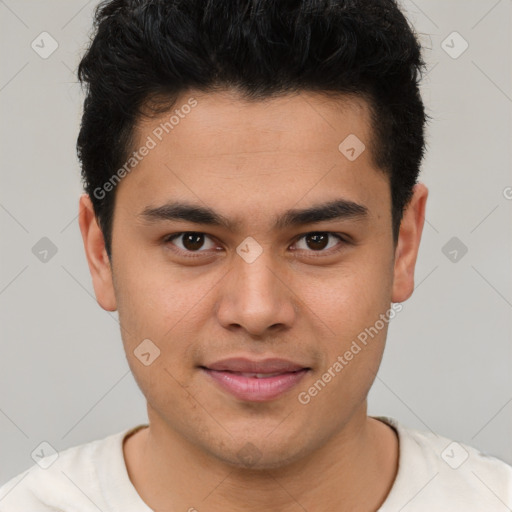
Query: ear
[(97, 258), (408, 244)]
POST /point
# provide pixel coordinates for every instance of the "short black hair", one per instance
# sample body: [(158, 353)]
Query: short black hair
[(146, 52)]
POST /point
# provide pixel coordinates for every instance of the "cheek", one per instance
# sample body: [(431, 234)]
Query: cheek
[(353, 304), (154, 319), (350, 297), (151, 298), (152, 316)]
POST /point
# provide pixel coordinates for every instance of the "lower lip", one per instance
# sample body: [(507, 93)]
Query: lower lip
[(254, 389)]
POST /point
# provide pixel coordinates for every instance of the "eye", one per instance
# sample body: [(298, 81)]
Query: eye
[(191, 241), (318, 241)]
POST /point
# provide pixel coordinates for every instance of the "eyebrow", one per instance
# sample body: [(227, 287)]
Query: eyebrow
[(182, 211)]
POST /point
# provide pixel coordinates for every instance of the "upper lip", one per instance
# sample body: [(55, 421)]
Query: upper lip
[(244, 365)]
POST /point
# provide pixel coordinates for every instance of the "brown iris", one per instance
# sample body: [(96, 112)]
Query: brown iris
[(319, 240), (193, 241)]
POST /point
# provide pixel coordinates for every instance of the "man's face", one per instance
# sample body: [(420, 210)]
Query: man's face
[(259, 288)]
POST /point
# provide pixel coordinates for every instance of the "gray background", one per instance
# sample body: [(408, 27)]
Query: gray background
[(447, 367)]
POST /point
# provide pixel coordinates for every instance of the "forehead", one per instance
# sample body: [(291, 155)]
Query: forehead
[(298, 122), (219, 149)]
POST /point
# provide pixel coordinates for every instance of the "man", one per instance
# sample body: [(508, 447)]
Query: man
[(253, 214)]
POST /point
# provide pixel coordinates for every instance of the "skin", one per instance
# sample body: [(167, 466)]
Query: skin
[(251, 162)]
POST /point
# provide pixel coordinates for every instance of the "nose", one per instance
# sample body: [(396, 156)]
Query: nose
[(256, 297)]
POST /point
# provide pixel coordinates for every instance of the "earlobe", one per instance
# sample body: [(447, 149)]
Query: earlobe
[(408, 244), (97, 258)]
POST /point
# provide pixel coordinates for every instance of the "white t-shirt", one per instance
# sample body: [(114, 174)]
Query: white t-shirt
[(434, 474)]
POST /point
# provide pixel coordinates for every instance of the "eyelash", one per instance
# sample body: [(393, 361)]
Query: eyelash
[(319, 253)]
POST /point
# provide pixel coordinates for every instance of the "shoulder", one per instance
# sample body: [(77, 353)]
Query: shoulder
[(438, 473), (68, 480)]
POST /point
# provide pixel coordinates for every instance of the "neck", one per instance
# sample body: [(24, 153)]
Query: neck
[(352, 471)]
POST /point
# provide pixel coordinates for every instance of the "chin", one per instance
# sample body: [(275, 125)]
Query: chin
[(255, 452)]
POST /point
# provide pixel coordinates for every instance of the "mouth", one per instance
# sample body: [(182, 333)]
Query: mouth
[(255, 381)]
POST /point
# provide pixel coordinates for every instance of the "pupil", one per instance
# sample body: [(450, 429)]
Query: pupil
[(193, 241), (316, 238)]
